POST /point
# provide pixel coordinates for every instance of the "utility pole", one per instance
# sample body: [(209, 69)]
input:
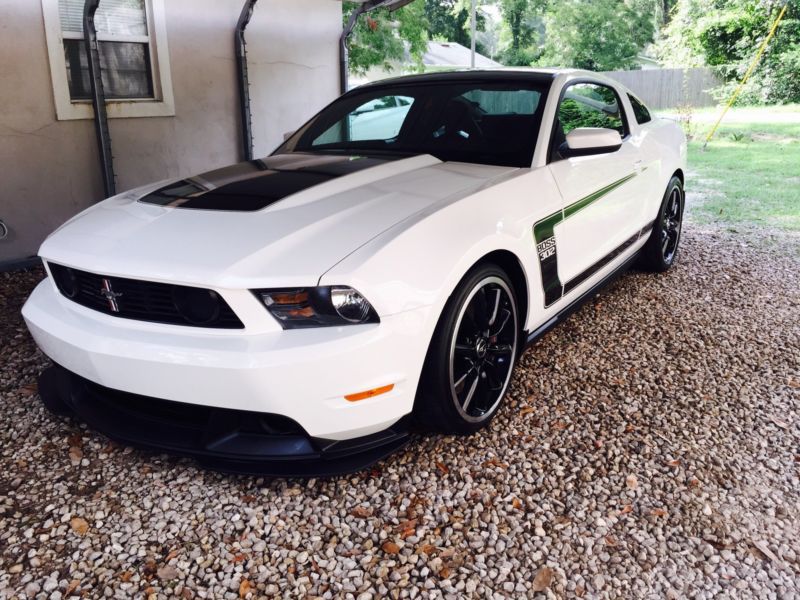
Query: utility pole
[(473, 27)]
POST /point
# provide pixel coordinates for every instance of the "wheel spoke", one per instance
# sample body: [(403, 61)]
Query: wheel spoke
[(465, 349), (461, 379), (495, 382), (496, 306), (501, 349), (506, 317), (471, 392)]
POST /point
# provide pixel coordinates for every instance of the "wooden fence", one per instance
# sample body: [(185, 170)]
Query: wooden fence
[(669, 88)]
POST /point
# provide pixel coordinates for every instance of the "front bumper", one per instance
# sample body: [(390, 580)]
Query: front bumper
[(303, 375), (227, 440)]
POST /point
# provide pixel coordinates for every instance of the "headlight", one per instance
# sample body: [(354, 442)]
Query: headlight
[(317, 307)]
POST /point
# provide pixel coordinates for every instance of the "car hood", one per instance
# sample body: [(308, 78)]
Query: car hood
[(280, 221)]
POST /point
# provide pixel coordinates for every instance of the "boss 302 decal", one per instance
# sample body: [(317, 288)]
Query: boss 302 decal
[(543, 234)]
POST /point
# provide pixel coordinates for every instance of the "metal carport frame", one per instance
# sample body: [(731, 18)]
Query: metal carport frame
[(240, 49), (364, 6), (98, 97)]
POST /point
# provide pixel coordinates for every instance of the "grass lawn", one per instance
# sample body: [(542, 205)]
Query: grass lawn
[(750, 171)]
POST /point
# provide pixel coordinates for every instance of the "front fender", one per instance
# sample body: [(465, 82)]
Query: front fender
[(419, 262)]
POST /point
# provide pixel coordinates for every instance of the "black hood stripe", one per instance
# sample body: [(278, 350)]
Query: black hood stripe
[(257, 184)]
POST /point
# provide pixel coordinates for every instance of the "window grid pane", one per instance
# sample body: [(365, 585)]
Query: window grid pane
[(124, 66), (113, 17)]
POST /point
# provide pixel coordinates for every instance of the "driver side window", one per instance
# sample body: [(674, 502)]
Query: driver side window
[(586, 105), (590, 105)]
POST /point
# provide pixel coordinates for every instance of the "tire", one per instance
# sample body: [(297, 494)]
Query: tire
[(472, 354), (661, 249)]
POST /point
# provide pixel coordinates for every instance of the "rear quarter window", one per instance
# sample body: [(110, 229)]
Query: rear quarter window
[(640, 110)]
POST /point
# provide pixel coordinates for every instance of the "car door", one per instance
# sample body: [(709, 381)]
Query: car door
[(601, 192)]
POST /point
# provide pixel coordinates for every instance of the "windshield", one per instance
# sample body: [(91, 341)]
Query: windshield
[(479, 122)]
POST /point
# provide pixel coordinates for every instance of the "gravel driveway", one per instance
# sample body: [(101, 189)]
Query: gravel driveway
[(650, 448)]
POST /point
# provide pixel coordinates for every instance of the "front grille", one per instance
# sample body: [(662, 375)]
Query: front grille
[(141, 300)]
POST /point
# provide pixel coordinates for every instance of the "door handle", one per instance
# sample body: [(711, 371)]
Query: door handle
[(637, 166)]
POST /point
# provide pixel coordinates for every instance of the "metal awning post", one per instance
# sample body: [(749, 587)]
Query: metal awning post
[(344, 64), (243, 81), (98, 96)]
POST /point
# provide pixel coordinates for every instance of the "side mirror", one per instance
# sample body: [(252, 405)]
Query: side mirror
[(287, 135), (585, 141)]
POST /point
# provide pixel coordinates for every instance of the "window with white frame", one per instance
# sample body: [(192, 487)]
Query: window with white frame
[(133, 58)]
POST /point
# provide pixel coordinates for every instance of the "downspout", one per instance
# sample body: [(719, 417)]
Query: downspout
[(98, 97), (244, 83)]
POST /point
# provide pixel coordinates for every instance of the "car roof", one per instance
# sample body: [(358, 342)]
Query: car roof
[(499, 74), (538, 74)]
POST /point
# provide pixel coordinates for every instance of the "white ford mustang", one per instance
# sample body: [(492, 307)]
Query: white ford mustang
[(384, 267)]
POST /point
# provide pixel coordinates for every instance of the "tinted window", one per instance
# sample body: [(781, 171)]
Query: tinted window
[(378, 119), (590, 105), (480, 122), (504, 102), (639, 110)]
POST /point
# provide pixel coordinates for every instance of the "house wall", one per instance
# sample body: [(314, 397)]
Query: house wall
[(293, 65), (49, 169)]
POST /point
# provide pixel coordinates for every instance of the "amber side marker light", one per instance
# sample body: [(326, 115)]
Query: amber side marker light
[(370, 393)]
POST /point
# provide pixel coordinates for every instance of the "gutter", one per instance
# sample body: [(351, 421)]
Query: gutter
[(98, 97)]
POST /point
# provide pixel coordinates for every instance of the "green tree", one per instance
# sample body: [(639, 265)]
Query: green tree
[(725, 35), (381, 37), (449, 21), (678, 45), (601, 35), (663, 11), (523, 19)]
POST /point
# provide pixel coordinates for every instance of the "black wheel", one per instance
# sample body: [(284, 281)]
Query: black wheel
[(661, 249), (472, 355)]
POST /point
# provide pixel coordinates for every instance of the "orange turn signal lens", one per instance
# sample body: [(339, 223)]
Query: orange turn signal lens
[(298, 297), (370, 393)]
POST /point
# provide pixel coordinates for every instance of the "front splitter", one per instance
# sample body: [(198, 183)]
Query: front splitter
[(227, 440)]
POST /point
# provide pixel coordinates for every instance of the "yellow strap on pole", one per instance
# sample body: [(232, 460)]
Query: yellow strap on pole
[(747, 74)]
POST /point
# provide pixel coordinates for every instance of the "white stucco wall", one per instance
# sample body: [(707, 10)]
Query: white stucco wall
[(49, 169), (292, 46)]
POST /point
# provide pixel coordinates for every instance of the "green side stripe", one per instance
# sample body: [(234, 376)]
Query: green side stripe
[(544, 236), (544, 227), (584, 202)]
